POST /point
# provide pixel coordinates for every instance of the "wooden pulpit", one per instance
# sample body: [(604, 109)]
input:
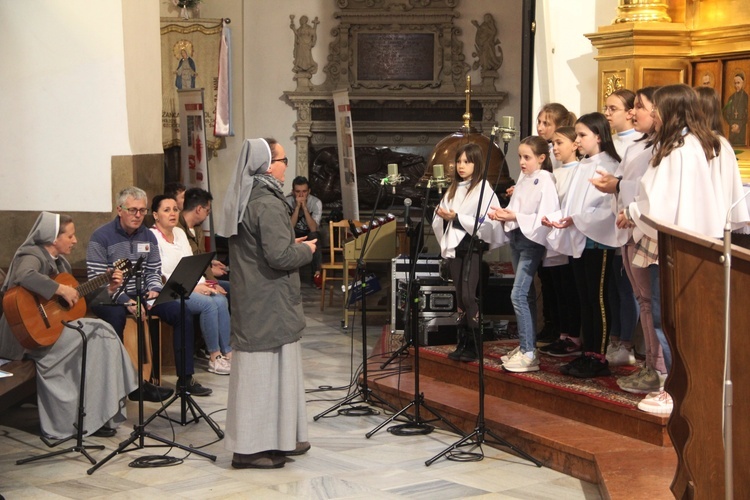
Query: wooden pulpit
[(692, 298)]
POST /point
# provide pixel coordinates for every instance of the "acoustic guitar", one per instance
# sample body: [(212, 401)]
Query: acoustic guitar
[(37, 322)]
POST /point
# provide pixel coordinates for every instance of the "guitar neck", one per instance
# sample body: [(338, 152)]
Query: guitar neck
[(91, 285)]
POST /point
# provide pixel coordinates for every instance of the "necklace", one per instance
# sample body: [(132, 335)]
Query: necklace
[(168, 239)]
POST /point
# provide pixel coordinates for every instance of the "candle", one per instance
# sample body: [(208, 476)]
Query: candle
[(508, 122), (438, 172)]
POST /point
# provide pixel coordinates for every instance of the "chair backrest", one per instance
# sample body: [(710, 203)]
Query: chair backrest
[(338, 234)]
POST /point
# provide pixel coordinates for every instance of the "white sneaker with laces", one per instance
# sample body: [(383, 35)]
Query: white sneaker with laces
[(658, 403), (619, 355), (220, 366), (520, 363), (506, 357)]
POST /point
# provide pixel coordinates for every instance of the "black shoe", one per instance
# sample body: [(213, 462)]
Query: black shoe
[(565, 348), (470, 351), (105, 432), (301, 448), (579, 361), (460, 347), (592, 367), (194, 388), (152, 393), (469, 354)]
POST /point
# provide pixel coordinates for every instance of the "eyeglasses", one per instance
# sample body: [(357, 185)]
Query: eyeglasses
[(611, 109), (134, 211), (284, 160)]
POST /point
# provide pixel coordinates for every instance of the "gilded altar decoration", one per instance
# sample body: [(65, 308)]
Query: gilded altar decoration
[(612, 83), (190, 60)]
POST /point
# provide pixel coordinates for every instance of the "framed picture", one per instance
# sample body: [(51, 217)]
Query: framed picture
[(729, 78), (735, 101)]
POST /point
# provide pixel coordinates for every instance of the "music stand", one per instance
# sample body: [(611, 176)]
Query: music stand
[(180, 285)]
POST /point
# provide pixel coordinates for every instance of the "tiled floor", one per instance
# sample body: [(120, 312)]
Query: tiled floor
[(341, 464)]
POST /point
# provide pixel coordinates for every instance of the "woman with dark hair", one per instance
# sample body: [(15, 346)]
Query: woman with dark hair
[(110, 375), (453, 224)]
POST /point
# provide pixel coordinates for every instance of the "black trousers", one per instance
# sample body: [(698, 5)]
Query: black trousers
[(466, 289), (591, 272)]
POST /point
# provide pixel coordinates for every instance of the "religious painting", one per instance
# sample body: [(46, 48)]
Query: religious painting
[(735, 101), (190, 60), (708, 74)]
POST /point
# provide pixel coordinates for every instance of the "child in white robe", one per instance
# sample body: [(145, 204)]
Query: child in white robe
[(568, 342), (453, 224), (586, 232), (678, 189), (535, 195)]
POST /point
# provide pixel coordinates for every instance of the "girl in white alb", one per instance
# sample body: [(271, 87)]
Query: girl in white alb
[(535, 195), (586, 232), (453, 225)]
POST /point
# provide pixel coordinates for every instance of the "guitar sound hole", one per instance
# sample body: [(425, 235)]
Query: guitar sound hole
[(63, 303)]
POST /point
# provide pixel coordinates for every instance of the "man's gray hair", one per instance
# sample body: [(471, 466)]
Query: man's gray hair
[(132, 191)]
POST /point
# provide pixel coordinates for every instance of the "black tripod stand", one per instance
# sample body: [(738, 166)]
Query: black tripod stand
[(179, 286), (79, 447), (138, 436), (363, 394), (480, 433), (416, 425)]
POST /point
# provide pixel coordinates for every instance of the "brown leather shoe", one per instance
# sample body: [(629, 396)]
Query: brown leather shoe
[(300, 449), (260, 460)]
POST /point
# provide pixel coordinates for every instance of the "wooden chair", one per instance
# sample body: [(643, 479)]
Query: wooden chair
[(332, 268)]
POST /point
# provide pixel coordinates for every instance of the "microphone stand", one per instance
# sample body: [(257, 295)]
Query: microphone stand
[(363, 390), (80, 445), (479, 436), (728, 392), (416, 425)]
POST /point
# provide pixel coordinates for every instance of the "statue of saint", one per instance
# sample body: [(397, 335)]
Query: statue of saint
[(485, 43), (305, 38)]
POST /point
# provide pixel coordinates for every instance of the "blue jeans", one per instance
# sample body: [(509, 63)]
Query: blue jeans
[(214, 319), (527, 256), (622, 303), (656, 313)]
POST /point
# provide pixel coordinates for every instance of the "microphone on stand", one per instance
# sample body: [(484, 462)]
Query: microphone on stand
[(438, 178), (407, 219), (507, 129), (394, 178)]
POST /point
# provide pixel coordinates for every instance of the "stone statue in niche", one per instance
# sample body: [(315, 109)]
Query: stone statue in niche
[(487, 50), (372, 166), (305, 38)]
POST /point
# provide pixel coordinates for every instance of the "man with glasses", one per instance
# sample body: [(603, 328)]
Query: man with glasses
[(126, 237)]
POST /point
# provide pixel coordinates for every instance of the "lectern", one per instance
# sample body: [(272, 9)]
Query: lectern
[(692, 293)]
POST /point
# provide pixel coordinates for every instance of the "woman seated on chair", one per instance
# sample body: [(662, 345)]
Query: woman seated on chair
[(110, 375), (208, 299)]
